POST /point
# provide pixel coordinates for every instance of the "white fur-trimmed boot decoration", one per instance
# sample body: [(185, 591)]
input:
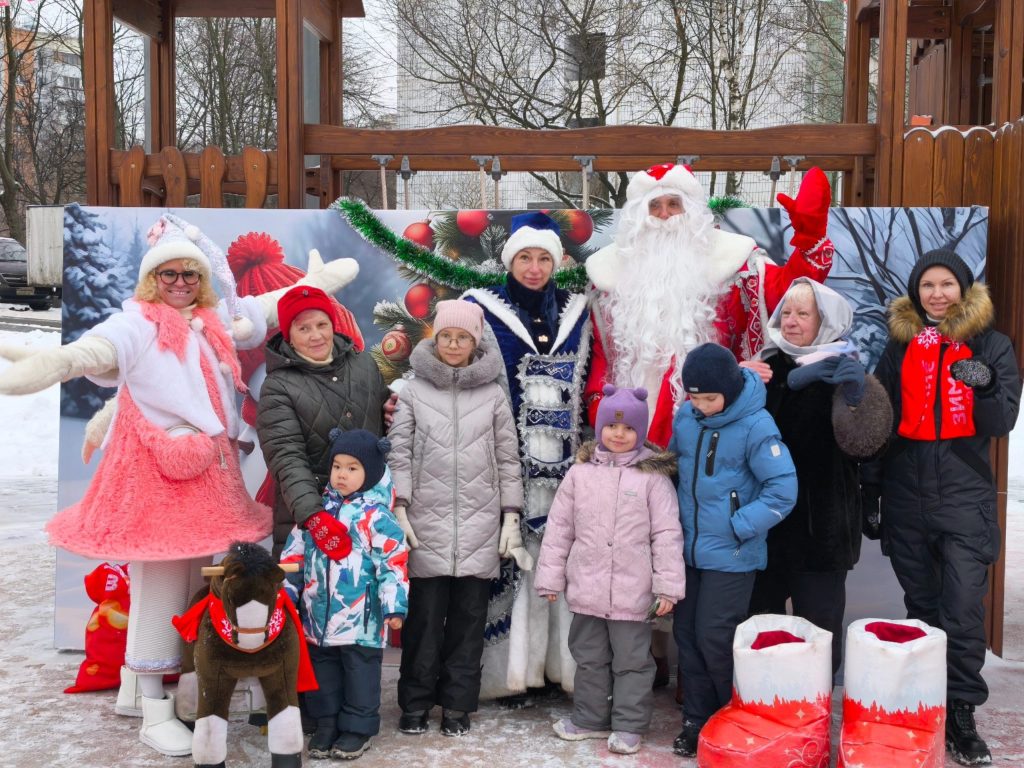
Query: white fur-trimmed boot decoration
[(894, 701), (781, 707), (161, 730)]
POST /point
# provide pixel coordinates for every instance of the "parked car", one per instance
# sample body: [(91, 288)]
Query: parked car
[(14, 286)]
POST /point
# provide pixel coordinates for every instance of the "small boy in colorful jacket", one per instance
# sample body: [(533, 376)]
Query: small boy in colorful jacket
[(347, 599)]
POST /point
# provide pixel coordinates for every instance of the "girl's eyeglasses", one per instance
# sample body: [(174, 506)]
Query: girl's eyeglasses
[(446, 340), (170, 277)]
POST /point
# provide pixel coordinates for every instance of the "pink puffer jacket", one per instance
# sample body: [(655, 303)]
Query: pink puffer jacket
[(613, 539)]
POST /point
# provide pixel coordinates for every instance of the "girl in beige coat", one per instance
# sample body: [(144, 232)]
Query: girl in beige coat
[(455, 465)]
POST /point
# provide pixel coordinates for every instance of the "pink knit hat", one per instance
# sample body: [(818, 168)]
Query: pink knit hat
[(455, 313)]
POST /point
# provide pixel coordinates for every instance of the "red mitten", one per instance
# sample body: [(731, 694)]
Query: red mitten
[(809, 211), (330, 536)]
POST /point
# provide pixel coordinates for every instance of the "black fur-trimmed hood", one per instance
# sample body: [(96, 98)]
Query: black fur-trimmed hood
[(651, 458), (963, 321)]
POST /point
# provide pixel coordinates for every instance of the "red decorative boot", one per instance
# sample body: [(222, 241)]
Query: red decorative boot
[(781, 705), (894, 703)]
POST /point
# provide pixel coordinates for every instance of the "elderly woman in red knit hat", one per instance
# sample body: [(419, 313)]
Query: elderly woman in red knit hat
[(316, 380)]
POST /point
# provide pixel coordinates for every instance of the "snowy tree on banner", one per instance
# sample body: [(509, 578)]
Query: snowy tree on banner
[(95, 284), (448, 253)]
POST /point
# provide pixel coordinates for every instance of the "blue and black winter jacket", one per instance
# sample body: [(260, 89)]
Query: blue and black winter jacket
[(736, 480)]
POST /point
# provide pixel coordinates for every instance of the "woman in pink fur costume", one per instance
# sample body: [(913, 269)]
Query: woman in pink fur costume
[(168, 492)]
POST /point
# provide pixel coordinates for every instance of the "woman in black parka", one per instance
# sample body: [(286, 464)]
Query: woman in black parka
[(316, 380), (954, 384), (831, 414)]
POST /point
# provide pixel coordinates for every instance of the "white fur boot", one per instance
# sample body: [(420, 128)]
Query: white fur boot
[(161, 730), (129, 695)]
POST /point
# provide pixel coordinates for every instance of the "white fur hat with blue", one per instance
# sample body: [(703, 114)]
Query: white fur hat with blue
[(533, 230)]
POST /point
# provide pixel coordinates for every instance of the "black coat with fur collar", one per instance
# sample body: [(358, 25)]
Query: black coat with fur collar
[(825, 438), (949, 481)]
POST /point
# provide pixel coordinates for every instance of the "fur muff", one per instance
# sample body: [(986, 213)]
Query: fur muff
[(862, 432), (177, 457), (963, 321)]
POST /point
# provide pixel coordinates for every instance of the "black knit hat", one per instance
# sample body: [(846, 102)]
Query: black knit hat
[(365, 446), (712, 368), (940, 257)]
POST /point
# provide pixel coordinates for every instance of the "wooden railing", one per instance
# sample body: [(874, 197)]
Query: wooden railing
[(168, 177)]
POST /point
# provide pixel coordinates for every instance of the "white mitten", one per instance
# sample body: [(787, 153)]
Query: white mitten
[(406, 526), (510, 542), (96, 429), (14, 354), (36, 372), (330, 278)]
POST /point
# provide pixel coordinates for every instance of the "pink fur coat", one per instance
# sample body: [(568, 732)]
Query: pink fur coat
[(157, 495)]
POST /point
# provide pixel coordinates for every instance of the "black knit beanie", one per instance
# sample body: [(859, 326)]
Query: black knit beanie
[(365, 446), (941, 257), (712, 368)]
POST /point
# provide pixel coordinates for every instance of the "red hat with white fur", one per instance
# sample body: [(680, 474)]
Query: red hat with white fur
[(672, 178)]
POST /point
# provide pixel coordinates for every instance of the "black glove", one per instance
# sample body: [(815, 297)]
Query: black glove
[(974, 372), (843, 370), (871, 511)]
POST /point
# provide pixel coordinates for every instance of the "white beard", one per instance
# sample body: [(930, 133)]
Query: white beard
[(664, 302)]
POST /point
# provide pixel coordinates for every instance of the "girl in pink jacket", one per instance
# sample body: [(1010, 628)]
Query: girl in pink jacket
[(614, 545)]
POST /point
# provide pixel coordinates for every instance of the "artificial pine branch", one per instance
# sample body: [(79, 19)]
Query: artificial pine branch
[(722, 203)]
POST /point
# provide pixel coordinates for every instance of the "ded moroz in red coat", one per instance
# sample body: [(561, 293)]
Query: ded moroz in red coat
[(753, 286)]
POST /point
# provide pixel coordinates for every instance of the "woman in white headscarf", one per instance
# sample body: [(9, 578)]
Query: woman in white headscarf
[(831, 414)]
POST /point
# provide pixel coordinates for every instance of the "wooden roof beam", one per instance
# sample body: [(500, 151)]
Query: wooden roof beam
[(144, 16)]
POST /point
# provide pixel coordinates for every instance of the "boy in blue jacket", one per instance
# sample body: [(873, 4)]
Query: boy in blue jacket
[(736, 480)]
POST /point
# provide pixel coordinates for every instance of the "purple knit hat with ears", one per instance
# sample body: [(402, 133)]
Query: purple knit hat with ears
[(623, 406)]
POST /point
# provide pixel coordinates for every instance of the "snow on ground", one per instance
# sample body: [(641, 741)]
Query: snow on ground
[(41, 726)]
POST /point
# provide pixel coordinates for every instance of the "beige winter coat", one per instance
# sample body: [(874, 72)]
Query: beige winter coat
[(455, 461)]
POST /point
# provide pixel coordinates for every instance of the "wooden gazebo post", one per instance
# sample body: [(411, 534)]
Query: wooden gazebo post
[(156, 20), (1008, 65), (98, 59), (892, 92)]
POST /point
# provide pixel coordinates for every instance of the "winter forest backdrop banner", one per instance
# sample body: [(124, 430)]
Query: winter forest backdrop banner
[(410, 259)]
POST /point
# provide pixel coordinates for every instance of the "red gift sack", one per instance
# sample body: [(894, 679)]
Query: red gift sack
[(107, 630)]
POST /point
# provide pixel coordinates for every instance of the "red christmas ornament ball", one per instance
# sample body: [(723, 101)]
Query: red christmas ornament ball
[(472, 223), (421, 234), (395, 346), (581, 226), (417, 300)]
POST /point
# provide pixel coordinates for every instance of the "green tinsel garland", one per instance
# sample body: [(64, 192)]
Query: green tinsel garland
[(428, 264)]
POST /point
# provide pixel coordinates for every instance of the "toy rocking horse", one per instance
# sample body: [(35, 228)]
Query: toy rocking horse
[(244, 626)]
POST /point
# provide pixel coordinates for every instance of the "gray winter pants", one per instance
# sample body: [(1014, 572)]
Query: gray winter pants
[(614, 674)]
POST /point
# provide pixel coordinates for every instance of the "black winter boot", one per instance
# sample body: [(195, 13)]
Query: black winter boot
[(413, 722), (322, 739), (685, 744), (962, 740), (454, 722), (280, 760)]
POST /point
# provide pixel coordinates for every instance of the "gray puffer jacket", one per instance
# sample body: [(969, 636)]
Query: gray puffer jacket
[(300, 402), (455, 462)]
